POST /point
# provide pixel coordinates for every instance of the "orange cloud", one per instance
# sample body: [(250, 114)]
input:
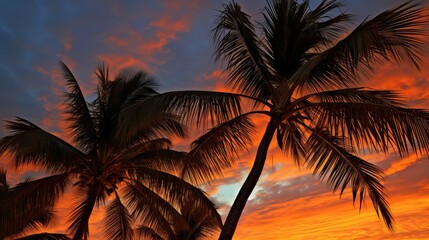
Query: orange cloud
[(323, 216), (153, 46), (411, 84), (117, 63), (401, 164), (67, 42), (117, 41)]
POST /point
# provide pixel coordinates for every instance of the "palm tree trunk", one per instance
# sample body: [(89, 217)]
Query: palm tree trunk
[(89, 206), (237, 208)]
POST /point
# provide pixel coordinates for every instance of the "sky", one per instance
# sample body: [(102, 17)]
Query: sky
[(171, 40)]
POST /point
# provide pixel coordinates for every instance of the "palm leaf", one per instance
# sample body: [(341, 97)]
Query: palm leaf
[(154, 154), (40, 193), (28, 205), (147, 233), (30, 144), (198, 107), (165, 125), (4, 187), (202, 225), (115, 95), (99, 107), (330, 27), (157, 126), (141, 146), (292, 31), (132, 85), (79, 117), (356, 95), (27, 220), (330, 158), (374, 120), (163, 160), (217, 148), (176, 190), (118, 221), (80, 214), (394, 35), (237, 44), (154, 211), (291, 139)]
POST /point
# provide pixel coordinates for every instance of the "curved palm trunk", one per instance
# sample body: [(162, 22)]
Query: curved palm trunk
[(237, 208), (89, 206)]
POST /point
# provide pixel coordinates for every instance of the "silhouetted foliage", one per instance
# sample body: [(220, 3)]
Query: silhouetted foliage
[(134, 174), (16, 219)]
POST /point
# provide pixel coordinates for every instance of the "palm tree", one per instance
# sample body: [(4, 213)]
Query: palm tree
[(17, 219), (132, 171), (301, 71)]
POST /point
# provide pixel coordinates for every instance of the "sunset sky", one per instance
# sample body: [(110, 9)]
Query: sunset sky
[(171, 40)]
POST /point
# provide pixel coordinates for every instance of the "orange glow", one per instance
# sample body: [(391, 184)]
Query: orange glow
[(67, 42), (119, 62)]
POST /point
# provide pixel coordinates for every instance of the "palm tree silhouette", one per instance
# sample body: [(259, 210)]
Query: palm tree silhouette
[(301, 71), (133, 171)]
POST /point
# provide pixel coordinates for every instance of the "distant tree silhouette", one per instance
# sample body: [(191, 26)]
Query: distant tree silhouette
[(133, 171), (302, 73)]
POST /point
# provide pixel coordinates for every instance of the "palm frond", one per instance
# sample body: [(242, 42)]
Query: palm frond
[(80, 214), (164, 160), (99, 106), (176, 190), (4, 187), (28, 220), (211, 153), (330, 158), (198, 107), (39, 193), (237, 44), (79, 117), (394, 35), (149, 128), (356, 95), (202, 226), (118, 221), (129, 89), (133, 85), (375, 120), (30, 144), (328, 26), (28, 205), (102, 73), (165, 125), (147, 233), (294, 32), (45, 236), (291, 139), (128, 86), (141, 146), (153, 211)]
